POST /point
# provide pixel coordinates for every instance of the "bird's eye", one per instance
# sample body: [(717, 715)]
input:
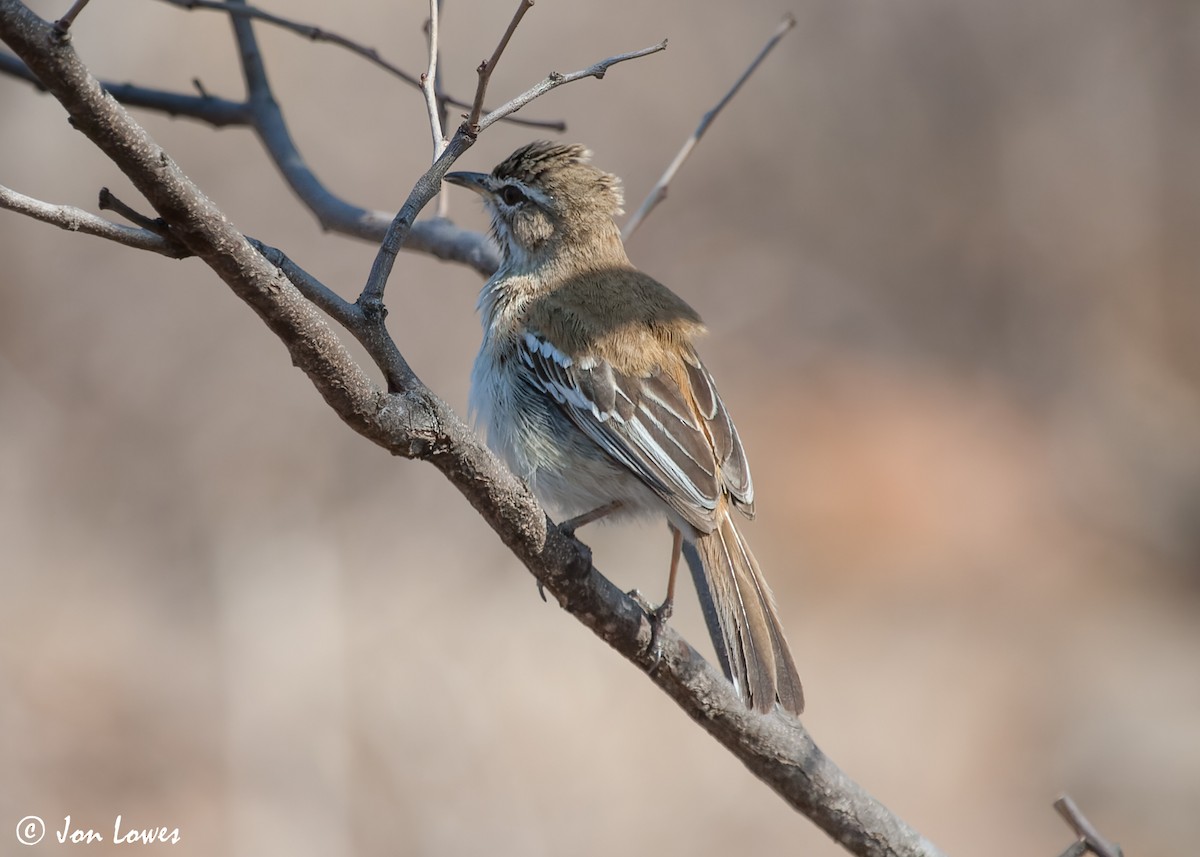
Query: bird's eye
[(512, 195)]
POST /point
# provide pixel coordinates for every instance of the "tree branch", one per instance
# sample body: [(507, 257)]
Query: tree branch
[(439, 110), (320, 34), (443, 240), (1089, 837), (488, 66), (436, 237), (659, 192), (429, 85), (413, 422), (555, 80), (77, 220), (218, 112), (64, 23)]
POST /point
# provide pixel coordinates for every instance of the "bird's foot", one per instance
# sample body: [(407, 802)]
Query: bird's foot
[(658, 622)]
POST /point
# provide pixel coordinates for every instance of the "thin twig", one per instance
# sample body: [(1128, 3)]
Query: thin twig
[(308, 31), (438, 108), (1085, 830), (64, 23), (217, 112), (554, 80), (426, 187), (74, 219), (333, 304), (429, 84), (488, 66), (320, 34), (366, 328), (110, 202), (439, 88), (659, 192)]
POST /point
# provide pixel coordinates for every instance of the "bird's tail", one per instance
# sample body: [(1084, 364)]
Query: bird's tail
[(756, 656)]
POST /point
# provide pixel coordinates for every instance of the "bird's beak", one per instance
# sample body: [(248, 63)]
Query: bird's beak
[(481, 183)]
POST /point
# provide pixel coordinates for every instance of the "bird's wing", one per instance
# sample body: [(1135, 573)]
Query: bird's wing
[(669, 428)]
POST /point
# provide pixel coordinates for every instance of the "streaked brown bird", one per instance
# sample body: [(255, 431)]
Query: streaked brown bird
[(589, 385)]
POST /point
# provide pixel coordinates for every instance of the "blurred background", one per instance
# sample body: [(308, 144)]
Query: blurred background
[(947, 253)]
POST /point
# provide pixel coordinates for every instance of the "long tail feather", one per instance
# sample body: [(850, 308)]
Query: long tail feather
[(756, 657)]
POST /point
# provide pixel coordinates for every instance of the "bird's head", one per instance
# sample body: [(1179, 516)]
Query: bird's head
[(546, 199)]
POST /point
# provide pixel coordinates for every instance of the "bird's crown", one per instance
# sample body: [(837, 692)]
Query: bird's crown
[(564, 173)]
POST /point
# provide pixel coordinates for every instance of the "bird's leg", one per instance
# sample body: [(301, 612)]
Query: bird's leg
[(568, 527), (660, 614)]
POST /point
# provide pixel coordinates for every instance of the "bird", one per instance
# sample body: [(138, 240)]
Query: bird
[(588, 384)]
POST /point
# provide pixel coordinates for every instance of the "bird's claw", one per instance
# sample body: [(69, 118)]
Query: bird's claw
[(658, 621)]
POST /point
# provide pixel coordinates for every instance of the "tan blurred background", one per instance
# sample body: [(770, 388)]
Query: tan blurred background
[(947, 252)]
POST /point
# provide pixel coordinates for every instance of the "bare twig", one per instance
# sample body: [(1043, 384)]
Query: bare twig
[(554, 80), (435, 96), (439, 89), (439, 238), (63, 24), (659, 192), (320, 34), (108, 201), (77, 220), (488, 66), (218, 112), (427, 186), (333, 304), (308, 31), (429, 84), (1088, 835)]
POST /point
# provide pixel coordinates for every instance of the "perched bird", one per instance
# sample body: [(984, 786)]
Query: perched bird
[(588, 384)]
